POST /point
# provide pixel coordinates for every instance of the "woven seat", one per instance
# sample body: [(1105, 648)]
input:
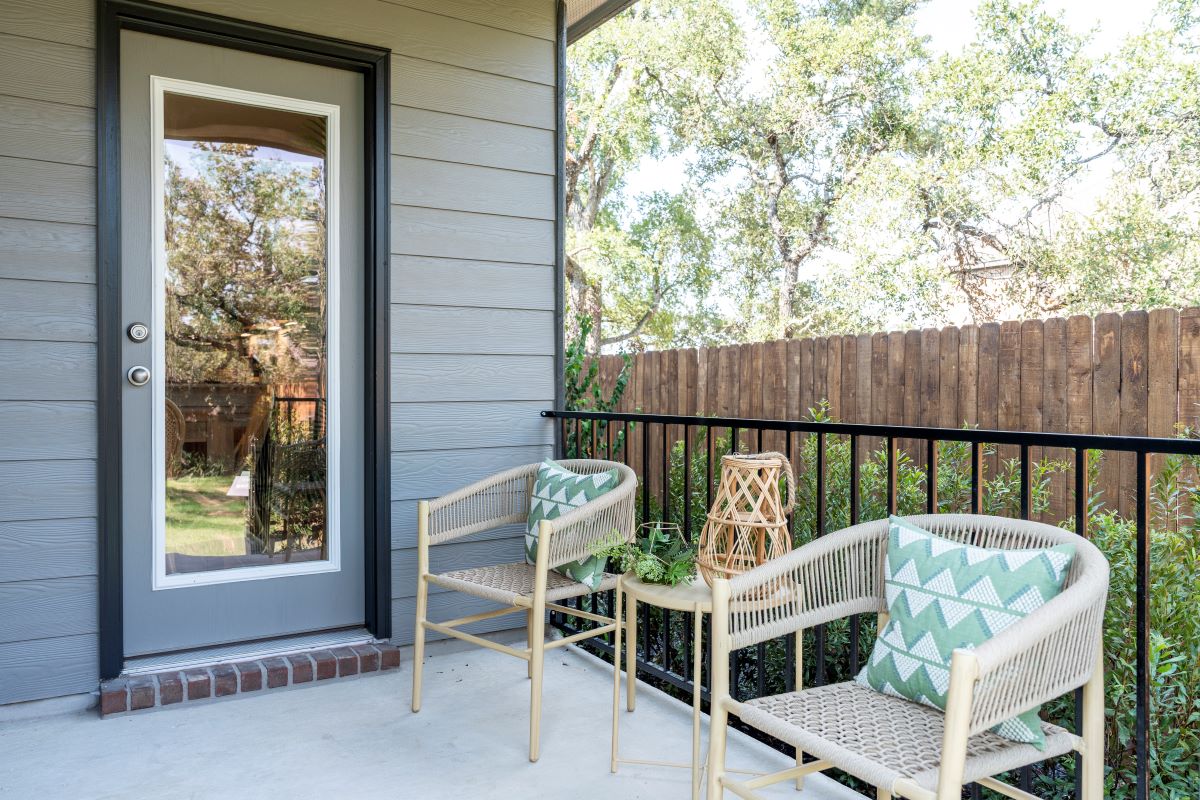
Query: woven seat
[(513, 584), (882, 739)]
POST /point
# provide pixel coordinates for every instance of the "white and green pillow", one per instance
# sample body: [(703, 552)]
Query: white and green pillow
[(941, 596), (556, 491)]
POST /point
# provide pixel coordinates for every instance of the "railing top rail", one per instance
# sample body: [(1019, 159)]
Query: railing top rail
[(1086, 441)]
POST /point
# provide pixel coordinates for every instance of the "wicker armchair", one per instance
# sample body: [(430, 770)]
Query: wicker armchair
[(903, 748), (535, 589)]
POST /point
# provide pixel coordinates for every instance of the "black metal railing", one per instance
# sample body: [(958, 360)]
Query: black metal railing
[(875, 470)]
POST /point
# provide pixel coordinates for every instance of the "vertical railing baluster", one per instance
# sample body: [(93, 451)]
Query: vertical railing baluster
[(1026, 483), (1142, 678), (687, 491), (891, 475), (931, 476), (578, 449), (855, 483), (666, 473), (595, 425), (1082, 464), (625, 447), (733, 439), (822, 512), (1025, 782), (855, 513), (760, 440), (708, 467), (645, 472), (976, 477)]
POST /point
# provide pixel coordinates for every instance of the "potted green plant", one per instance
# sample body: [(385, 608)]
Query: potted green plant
[(658, 554)]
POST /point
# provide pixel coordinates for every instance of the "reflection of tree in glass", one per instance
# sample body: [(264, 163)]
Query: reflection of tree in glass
[(245, 239)]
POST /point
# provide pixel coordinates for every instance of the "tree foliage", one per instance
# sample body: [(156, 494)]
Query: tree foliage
[(842, 175)]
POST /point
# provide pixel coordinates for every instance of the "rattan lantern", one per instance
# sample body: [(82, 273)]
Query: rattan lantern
[(747, 524)]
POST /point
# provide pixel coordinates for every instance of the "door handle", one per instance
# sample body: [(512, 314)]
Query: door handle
[(138, 376)]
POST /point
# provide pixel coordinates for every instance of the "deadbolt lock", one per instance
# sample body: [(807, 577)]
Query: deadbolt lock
[(138, 332)]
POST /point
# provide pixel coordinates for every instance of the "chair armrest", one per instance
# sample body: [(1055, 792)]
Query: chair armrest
[(575, 534), (832, 577), (1044, 655), (502, 499)]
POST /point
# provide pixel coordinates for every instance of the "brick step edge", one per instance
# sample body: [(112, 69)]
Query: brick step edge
[(130, 694)]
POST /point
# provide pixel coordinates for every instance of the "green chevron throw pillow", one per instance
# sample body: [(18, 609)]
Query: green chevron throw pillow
[(555, 492), (942, 595)]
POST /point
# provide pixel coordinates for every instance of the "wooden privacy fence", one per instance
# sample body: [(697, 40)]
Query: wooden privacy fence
[(1136, 374)]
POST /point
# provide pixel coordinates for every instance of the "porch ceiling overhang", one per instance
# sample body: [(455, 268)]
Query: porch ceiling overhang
[(583, 16)]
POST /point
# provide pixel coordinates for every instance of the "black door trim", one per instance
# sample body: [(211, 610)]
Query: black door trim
[(374, 64)]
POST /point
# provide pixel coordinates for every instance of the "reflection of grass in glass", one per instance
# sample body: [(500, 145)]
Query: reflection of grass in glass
[(201, 520)]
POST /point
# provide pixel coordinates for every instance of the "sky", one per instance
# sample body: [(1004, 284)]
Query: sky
[(950, 25)]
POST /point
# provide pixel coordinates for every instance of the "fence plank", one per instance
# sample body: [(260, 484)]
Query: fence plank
[(833, 376), (864, 370), (948, 414), (849, 379), (1054, 409), (1135, 332), (1106, 399), (929, 396), (1189, 367), (968, 375)]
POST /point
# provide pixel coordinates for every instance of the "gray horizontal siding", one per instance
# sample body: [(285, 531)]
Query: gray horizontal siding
[(50, 667), (419, 475), (55, 548), (47, 251), (47, 430), (40, 70), (479, 331), (456, 234), (432, 281), (35, 609), (449, 137), (466, 187), (450, 378), (531, 19), (47, 371), (46, 191), (47, 489), (472, 238), (430, 426), (453, 90), (48, 311), (47, 131)]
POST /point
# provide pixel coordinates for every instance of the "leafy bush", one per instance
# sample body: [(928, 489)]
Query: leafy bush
[(583, 390)]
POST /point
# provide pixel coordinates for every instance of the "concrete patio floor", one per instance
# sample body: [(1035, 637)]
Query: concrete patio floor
[(358, 739)]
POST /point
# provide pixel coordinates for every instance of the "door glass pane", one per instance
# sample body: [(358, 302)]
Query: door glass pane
[(245, 335)]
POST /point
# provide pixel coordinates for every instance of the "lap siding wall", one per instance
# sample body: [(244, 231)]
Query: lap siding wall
[(472, 290)]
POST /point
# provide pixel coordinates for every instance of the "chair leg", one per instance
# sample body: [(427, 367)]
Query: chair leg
[(529, 641), (1093, 734), (631, 631), (537, 654), (799, 685), (422, 601), (718, 728), (419, 642)]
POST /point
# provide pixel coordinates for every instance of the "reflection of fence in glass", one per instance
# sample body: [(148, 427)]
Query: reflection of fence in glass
[(286, 511)]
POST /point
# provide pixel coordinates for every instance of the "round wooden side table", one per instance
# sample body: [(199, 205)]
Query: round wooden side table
[(694, 597)]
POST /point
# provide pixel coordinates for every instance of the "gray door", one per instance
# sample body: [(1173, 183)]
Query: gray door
[(242, 278)]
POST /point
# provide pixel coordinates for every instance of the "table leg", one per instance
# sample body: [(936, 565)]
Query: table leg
[(697, 633), (616, 703), (631, 634)]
